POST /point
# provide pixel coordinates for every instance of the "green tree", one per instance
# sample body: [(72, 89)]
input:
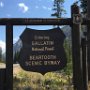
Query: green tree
[(0, 53), (58, 8), (84, 6), (68, 50), (16, 57)]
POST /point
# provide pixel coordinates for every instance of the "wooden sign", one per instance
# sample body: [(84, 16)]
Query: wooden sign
[(42, 50)]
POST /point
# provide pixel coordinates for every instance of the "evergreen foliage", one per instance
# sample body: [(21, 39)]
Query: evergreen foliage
[(58, 8), (16, 57), (67, 46), (84, 6), (0, 53)]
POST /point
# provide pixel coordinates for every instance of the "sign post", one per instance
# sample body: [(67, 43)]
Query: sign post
[(76, 55), (2, 79), (88, 38), (84, 63), (9, 57)]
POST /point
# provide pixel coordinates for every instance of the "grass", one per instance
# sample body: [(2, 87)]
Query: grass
[(2, 65), (23, 80)]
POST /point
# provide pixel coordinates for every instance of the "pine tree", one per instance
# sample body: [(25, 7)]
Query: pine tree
[(16, 57), (67, 47), (58, 8), (84, 6), (0, 53)]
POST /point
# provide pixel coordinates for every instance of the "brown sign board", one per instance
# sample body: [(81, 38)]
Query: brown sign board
[(42, 50)]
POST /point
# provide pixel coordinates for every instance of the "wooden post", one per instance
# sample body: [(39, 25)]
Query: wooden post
[(84, 63), (9, 57), (76, 55), (88, 38), (2, 79)]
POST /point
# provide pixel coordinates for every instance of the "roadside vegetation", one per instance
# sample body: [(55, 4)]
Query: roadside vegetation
[(34, 81)]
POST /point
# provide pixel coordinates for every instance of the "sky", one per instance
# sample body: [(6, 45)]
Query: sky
[(27, 9)]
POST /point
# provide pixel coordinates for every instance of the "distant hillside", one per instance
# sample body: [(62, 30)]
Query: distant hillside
[(67, 31), (17, 46)]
